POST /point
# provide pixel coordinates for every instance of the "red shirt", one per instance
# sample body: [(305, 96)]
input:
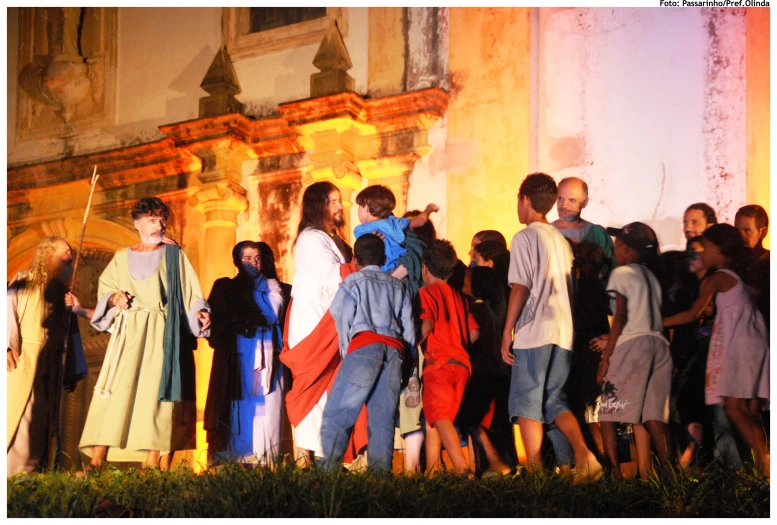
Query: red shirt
[(453, 322)]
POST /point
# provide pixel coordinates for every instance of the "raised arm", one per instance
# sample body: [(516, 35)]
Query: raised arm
[(709, 287), (423, 217)]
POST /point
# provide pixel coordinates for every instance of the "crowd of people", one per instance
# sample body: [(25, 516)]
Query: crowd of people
[(395, 343)]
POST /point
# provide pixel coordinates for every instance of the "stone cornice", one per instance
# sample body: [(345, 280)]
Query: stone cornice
[(112, 164), (271, 137)]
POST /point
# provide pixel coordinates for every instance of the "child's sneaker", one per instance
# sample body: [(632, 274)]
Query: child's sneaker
[(413, 397)]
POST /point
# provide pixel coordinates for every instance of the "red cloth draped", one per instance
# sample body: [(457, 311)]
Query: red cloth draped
[(314, 363)]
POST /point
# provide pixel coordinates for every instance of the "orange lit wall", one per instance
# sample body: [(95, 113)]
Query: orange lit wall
[(488, 121), (758, 108), (386, 53)]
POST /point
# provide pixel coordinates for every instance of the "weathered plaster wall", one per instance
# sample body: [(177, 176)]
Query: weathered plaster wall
[(647, 106), (758, 108), (428, 181), (159, 75), (488, 121), (270, 79), (387, 50), (12, 58)]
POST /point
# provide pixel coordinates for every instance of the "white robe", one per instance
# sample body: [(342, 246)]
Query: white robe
[(256, 418), (317, 261)]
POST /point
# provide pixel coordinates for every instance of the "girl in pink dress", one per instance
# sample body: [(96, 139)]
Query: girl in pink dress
[(738, 359)]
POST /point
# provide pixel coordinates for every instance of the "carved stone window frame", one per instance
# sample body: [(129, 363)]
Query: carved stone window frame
[(241, 44)]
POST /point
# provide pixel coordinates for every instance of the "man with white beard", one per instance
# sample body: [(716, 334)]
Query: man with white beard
[(146, 295)]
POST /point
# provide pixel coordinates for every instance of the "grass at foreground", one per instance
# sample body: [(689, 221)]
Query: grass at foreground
[(289, 492)]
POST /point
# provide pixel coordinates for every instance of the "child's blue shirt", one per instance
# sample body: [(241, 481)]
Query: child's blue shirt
[(393, 228)]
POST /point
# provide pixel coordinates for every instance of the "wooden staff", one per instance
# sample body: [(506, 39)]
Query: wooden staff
[(60, 384)]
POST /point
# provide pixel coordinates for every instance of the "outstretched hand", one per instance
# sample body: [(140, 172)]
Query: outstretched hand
[(431, 208)]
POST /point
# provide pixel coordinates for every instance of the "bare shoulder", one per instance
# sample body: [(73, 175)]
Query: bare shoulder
[(723, 281)]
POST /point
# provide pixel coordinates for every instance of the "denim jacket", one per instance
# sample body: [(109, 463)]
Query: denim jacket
[(371, 300)]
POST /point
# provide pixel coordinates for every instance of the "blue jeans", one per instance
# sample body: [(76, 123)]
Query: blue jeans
[(368, 375), (537, 383)]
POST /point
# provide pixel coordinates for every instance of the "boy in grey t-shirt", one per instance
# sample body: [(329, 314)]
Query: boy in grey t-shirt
[(540, 311)]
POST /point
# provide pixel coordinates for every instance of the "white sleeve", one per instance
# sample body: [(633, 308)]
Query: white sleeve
[(321, 264), (521, 264), (619, 282)]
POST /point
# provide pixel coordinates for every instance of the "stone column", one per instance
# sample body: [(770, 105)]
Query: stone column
[(393, 172), (220, 199)]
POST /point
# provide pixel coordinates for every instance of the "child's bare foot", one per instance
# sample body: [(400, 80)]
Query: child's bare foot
[(587, 472)]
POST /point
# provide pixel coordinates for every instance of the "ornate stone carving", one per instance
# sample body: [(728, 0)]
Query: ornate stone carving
[(222, 85), (67, 64), (221, 202), (333, 60)]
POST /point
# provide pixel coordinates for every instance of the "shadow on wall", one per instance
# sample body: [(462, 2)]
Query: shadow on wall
[(187, 107)]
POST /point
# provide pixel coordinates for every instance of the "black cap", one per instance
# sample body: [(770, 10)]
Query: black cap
[(636, 235)]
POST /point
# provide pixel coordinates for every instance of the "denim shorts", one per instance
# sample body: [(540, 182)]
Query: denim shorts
[(537, 383)]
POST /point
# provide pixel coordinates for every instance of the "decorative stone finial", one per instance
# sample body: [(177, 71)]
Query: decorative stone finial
[(333, 61), (222, 85)]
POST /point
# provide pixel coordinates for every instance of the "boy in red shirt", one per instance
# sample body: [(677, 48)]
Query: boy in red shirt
[(448, 328)]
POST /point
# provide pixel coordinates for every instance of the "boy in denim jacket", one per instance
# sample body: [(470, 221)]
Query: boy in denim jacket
[(374, 318)]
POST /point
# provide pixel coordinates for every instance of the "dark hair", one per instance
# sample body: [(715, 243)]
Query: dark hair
[(490, 235), (490, 250), (672, 266), (590, 258), (237, 252), (541, 190), (369, 249), (440, 258), (485, 285), (150, 207), (727, 239), (268, 260), (698, 240), (755, 212), (427, 233), (380, 200), (729, 242), (314, 205), (706, 209)]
